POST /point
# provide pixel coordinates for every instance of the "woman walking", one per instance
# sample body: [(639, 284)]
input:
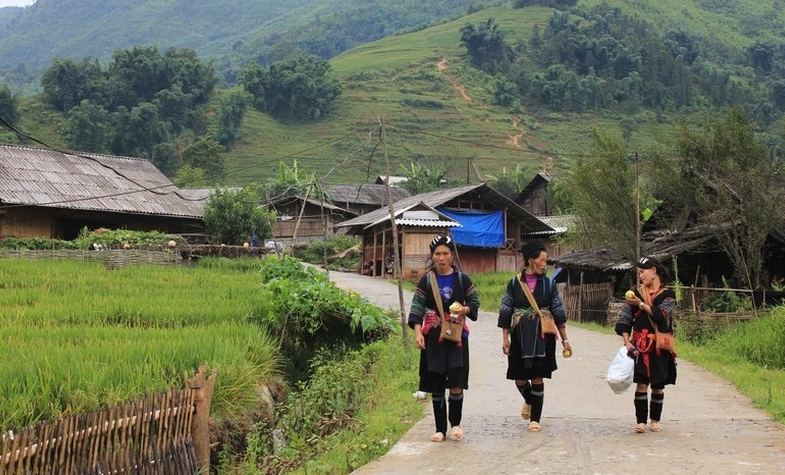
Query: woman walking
[(653, 366), (529, 340), (443, 363)]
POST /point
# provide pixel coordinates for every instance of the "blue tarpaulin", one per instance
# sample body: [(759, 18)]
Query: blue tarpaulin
[(478, 228)]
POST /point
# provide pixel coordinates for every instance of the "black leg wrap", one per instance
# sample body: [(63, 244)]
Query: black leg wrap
[(439, 412), (526, 391), (537, 396), (656, 406), (641, 407), (456, 409)]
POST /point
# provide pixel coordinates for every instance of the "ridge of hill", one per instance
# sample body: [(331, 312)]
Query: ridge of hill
[(439, 108), (230, 32), (421, 83)]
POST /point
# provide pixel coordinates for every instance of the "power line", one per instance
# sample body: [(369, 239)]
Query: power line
[(144, 188)]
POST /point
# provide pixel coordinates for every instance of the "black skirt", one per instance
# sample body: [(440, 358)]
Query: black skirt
[(456, 376), (662, 370), (530, 368)]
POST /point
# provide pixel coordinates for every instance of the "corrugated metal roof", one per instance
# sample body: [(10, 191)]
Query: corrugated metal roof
[(428, 223), (364, 194), (435, 199), (559, 223), (39, 177)]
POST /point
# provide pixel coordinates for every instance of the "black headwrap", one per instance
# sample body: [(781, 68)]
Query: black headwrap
[(442, 241), (532, 248), (648, 262)]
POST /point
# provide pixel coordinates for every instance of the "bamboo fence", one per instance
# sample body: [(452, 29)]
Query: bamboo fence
[(161, 434)]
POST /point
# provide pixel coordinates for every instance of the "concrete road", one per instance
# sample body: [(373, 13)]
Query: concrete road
[(709, 427)]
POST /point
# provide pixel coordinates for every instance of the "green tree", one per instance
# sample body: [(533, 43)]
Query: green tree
[(600, 193), (288, 181), (165, 157), (510, 183), (232, 217), (9, 108), (299, 88), (67, 82), (190, 177), (421, 178), (486, 46), (146, 129), (230, 115), (726, 179), (205, 153), (88, 127), (253, 77)]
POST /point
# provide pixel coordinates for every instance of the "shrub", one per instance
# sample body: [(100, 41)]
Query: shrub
[(306, 312)]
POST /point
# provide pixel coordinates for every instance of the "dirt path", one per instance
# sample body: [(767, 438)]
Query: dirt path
[(460, 88), (709, 426)]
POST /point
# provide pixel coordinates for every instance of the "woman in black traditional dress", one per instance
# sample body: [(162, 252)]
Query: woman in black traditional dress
[(443, 364), (531, 353), (653, 367)]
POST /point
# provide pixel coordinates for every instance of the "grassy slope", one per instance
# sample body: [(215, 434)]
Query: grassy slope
[(378, 75)]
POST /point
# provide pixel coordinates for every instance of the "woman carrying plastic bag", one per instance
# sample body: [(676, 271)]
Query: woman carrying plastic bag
[(620, 371)]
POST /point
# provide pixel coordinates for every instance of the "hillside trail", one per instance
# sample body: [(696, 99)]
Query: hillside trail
[(442, 66), (515, 140), (709, 427)]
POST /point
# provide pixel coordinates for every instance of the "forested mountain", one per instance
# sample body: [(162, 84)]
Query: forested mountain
[(231, 32), (624, 67)]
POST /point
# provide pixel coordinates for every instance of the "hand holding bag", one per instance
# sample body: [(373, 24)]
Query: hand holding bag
[(450, 330), (547, 323), (621, 371)]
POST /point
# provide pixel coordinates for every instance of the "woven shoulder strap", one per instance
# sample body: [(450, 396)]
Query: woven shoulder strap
[(528, 293), (436, 295)]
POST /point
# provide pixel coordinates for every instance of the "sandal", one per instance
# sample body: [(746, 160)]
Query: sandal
[(534, 426), (437, 437), (456, 433), (640, 428), (526, 411), (655, 426)]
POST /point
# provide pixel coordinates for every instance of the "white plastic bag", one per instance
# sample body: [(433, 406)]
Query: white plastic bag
[(620, 371)]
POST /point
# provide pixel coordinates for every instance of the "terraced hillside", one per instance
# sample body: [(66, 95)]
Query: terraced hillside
[(437, 105)]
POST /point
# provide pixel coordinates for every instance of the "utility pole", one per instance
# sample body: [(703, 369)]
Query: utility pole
[(637, 207), (396, 252), (468, 162)]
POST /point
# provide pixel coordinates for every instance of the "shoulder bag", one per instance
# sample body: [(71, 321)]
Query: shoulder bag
[(547, 323), (450, 330)]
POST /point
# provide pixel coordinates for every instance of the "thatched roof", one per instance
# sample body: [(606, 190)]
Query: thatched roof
[(661, 244), (435, 199), (39, 177)]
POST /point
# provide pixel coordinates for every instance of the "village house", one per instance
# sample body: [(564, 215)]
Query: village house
[(307, 217), (362, 198), (44, 193), (488, 238), (537, 199)]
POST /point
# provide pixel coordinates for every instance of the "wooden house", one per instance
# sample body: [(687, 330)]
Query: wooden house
[(362, 198), (488, 238), (536, 197), (316, 218), (44, 193)]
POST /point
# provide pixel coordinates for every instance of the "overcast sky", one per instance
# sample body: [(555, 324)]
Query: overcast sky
[(16, 3)]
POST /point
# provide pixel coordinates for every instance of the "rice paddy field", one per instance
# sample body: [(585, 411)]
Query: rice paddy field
[(75, 335)]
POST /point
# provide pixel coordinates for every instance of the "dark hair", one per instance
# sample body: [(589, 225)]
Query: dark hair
[(532, 250), (436, 242), (649, 262)]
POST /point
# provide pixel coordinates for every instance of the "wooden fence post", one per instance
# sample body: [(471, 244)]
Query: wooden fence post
[(202, 388)]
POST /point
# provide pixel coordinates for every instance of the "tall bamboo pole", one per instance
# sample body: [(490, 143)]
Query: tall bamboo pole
[(396, 252)]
